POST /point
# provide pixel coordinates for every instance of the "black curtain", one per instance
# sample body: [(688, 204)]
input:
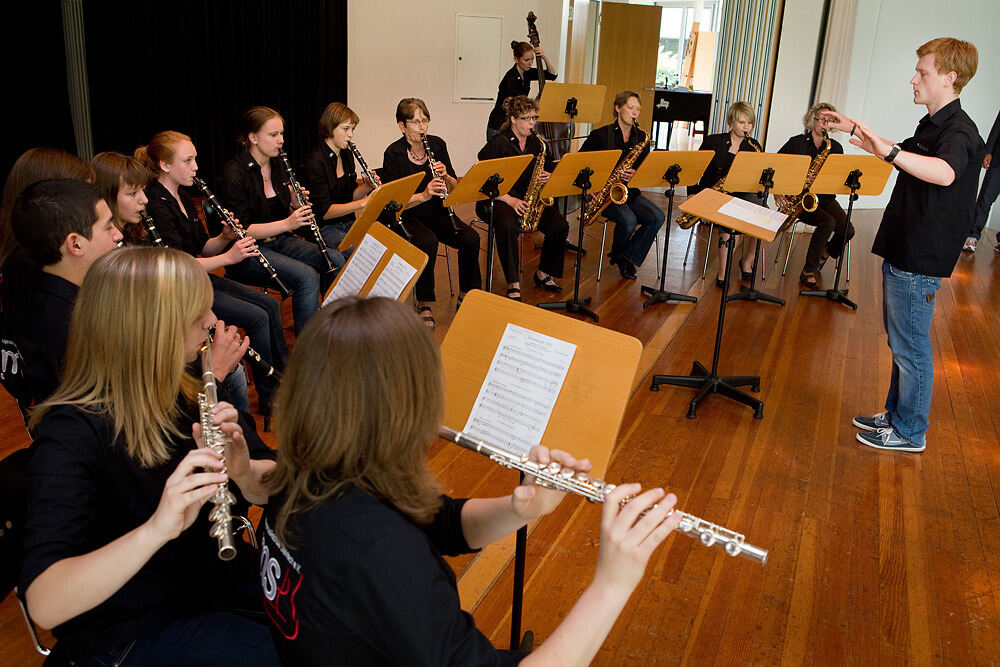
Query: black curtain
[(37, 109), (196, 65)]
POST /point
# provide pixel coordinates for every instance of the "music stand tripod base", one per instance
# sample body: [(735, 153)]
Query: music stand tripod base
[(706, 384), (837, 295)]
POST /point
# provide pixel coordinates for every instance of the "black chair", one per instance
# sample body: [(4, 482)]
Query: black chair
[(13, 506)]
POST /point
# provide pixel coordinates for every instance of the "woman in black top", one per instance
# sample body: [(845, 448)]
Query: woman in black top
[(332, 178), (426, 219), (518, 138), (828, 218), (741, 120), (121, 180), (118, 558), (254, 186), (172, 157), (517, 81), (352, 540)]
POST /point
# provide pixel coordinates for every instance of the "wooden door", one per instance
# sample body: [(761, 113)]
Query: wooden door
[(626, 57)]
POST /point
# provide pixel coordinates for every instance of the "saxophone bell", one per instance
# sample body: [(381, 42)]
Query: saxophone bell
[(810, 202), (618, 193)]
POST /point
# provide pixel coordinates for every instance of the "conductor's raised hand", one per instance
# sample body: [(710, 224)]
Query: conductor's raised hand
[(185, 492), (838, 121), (629, 536), (531, 501), (866, 139)]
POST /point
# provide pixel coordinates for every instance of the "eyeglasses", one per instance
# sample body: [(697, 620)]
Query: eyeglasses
[(527, 117), (423, 121)]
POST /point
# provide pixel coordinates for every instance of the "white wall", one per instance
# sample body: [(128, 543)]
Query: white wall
[(793, 73), (402, 48)]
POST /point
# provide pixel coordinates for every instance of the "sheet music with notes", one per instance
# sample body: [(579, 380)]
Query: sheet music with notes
[(754, 214), (520, 390), (358, 269), (393, 279)]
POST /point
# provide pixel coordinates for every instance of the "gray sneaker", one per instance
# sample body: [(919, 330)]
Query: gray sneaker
[(887, 438), (874, 423)]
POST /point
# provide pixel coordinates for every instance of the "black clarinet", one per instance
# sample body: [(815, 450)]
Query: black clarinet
[(227, 217), (431, 162), (373, 178), (254, 356), (147, 221), (300, 201)]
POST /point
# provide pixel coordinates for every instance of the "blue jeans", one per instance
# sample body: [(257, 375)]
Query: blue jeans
[(333, 234), (297, 262), (907, 308), (220, 638), (629, 243)]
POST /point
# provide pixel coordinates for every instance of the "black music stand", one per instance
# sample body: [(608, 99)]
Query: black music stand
[(654, 172), (488, 179), (706, 204), (582, 172), (831, 180), (780, 174)]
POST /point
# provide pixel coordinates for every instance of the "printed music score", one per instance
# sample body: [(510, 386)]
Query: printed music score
[(754, 214), (358, 269), (393, 279), (520, 390)]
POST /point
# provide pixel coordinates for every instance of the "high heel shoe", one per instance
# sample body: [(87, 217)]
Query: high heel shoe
[(548, 283)]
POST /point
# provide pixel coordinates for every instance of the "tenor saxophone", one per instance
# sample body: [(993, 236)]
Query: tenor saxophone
[(615, 191), (687, 220), (532, 197), (793, 205)]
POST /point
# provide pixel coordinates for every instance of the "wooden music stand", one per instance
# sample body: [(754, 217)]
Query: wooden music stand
[(584, 422), (765, 173), (572, 103), (363, 269), (579, 172), (841, 175), (488, 179), (706, 204), (669, 169), (385, 204)]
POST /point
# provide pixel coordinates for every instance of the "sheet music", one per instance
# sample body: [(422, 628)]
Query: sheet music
[(358, 269), (754, 214), (516, 399), (396, 274)]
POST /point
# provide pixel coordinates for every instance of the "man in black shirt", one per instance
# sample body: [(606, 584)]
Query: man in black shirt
[(922, 231)]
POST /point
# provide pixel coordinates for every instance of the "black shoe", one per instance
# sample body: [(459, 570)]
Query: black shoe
[(548, 283), (720, 283), (626, 268), (514, 293), (746, 276)]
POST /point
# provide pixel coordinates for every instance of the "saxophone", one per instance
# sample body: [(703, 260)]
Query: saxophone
[(794, 205), (686, 220), (213, 438), (615, 190), (536, 204)]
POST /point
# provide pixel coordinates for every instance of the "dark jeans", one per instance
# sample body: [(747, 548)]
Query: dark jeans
[(426, 233), (637, 222), (333, 234), (828, 219), (216, 639), (297, 262), (506, 228), (987, 195)]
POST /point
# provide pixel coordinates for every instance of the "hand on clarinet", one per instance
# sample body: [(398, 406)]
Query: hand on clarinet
[(188, 487), (531, 501), (630, 534), (227, 349), (300, 217), (440, 170), (435, 188), (241, 249)]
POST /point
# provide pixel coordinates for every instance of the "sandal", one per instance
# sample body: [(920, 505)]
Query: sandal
[(424, 312), (514, 293), (548, 283), (809, 280)]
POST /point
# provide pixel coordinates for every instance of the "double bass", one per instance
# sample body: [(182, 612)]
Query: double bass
[(556, 135)]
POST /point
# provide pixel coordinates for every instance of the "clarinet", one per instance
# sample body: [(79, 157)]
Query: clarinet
[(554, 476), (227, 217), (300, 200), (147, 221), (431, 162), (374, 180), (254, 356), (214, 439)]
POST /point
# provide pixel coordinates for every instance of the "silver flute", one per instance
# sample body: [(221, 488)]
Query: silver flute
[(214, 439), (554, 476)]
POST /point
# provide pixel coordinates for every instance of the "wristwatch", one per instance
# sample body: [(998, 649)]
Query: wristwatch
[(892, 154)]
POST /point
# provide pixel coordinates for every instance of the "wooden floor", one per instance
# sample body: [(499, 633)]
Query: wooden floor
[(875, 557)]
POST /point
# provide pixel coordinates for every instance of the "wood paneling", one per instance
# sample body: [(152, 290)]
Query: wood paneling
[(627, 50)]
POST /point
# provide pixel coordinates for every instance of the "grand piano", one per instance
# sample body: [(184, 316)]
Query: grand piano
[(670, 104)]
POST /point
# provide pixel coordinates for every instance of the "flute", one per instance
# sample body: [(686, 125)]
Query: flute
[(240, 233), (213, 438), (554, 476), (300, 200)]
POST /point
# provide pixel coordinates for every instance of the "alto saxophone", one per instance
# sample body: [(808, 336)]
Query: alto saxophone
[(793, 205), (687, 220), (554, 476), (213, 438), (536, 204), (615, 191)]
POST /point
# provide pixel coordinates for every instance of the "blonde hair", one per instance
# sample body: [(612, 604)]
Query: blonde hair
[(740, 109), (515, 106), (359, 406), (953, 55), (807, 119), (125, 356)]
